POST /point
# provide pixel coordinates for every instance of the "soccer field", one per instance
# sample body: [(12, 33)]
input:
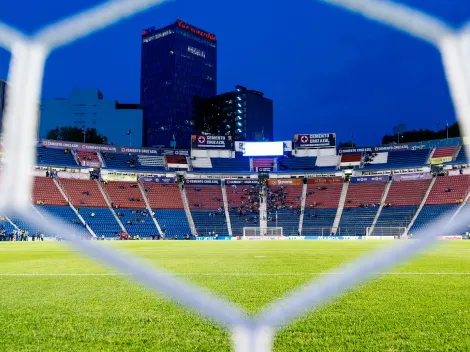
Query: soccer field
[(54, 300)]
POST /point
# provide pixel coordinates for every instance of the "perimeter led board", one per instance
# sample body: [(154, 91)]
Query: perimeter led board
[(263, 149)]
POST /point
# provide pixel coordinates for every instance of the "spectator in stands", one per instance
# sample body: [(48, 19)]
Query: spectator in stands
[(92, 215)]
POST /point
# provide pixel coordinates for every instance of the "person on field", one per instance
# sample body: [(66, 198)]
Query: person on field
[(42, 237)]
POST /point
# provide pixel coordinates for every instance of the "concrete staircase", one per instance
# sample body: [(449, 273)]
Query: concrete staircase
[(149, 208), (227, 210), (339, 212), (302, 208), (192, 226)]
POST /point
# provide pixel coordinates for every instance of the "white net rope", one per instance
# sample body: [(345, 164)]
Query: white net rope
[(29, 55)]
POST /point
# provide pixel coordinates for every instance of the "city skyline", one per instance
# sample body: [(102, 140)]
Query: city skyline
[(328, 70)]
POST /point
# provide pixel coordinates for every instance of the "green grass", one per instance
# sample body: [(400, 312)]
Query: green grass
[(108, 313)]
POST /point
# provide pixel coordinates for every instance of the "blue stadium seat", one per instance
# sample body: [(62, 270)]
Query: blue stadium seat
[(140, 225), (241, 164), (54, 157), (318, 221), (429, 214), (67, 215), (354, 221), (285, 219), (134, 162), (173, 222), (103, 223), (299, 163), (205, 223), (396, 216), (238, 221)]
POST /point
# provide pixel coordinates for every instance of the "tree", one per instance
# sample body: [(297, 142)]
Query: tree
[(423, 135), (349, 144), (75, 134)]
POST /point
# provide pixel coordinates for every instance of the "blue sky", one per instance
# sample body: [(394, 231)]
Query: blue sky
[(326, 70)]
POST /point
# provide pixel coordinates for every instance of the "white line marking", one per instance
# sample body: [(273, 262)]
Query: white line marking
[(233, 274)]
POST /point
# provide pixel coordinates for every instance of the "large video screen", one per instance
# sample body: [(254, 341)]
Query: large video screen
[(263, 149)]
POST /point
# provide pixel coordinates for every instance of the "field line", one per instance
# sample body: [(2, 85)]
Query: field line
[(233, 274)]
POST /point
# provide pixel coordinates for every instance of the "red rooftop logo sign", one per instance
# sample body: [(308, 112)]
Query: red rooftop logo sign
[(186, 26)]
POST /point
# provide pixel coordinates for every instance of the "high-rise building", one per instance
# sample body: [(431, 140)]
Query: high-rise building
[(120, 123), (179, 62), (244, 114), (3, 87)]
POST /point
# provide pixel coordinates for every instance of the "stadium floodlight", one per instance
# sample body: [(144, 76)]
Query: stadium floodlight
[(29, 55)]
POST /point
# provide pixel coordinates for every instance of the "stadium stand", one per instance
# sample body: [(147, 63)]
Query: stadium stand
[(54, 157), (173, 223), (176, 162), (207, 208), (68, 216), (449, 190), (101, 220), (364, 195), (124, 194), (411, 158), (263, 163), (284, 203), (45, 192), (201, 163), (396, 216), (444, 152), (462, 156), (83, 193), (430, 213), (297, 163), (361, 206), (138, 222), (244, 207), (327, 161), (414, 191), (321, 195), (351, 159), (137, 162), (233, 165), (85, 157), (165, 201), (150, 162), (318, 221)]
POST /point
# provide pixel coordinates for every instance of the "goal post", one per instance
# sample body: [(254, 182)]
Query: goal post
[(385, 231), (262, 231)]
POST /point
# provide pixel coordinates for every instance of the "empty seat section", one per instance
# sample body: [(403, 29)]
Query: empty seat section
[(395, 217), (103, 222), (150, 162), (125, 194), (351, 159), (318, 221), (429, 214), (120, 161), (201, 163), (241, 164), (354, 221), (366, 195), (462, 157), (409, 158), (449, 190), (137, 222), (204, 200), (321, 195), (88, 157), (407, 193), (45, 191), (298, 163), (444, 152), (173, 223), (68, 216), (288, 219), (54, 157), (163, 196), (177, 161), (263, 163), (83, 193)]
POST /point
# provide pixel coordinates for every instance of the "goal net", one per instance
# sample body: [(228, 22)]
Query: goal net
[(385, 231), (262, 231)]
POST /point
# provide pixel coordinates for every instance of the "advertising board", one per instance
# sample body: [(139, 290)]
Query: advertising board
[(197, 181), (369, 179), (327, 180), (321, 140), (211, 142), (415, 176)]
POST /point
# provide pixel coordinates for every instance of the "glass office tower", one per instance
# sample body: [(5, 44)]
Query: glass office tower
[(179, 62)]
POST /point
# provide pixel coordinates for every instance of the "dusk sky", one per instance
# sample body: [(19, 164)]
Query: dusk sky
[(326, 70)]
